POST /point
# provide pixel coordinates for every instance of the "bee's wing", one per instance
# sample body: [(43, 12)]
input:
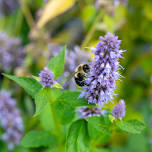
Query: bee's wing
[(70, 77)]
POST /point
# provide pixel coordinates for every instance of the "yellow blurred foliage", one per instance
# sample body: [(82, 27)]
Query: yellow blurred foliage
[(52, 9), (147, 10)]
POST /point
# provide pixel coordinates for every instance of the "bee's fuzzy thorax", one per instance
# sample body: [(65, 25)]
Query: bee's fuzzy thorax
[(81, 73)]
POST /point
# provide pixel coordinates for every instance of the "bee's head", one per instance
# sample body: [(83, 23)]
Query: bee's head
[(86, 68)]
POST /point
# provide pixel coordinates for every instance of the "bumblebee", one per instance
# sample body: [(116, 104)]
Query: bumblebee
[(81, 73)]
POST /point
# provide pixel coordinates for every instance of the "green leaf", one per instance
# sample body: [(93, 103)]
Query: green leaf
[(35, 139), (56, 64), (41, 99), (64, 112), (102, 150), (46, 118), (77, 138), (71, 98), (137, 139), (57, 85), (65, 105), (20, 149), (131, 126), (30, 85), (97, 127), (36, 78), (51, 150), (55, 93)]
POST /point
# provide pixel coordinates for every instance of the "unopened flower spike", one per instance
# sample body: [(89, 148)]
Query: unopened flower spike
[(101, 81), (46, 78), (119, 110)]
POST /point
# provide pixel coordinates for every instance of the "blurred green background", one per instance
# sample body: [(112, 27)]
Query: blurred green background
[(44, 27)]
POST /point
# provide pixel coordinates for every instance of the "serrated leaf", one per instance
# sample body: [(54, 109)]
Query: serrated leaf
[(71, 98), (65, 105), (35, 139), (56, 64), (97, 127), (41, 99), (64, 112), (131, 126), (54, 8), (77, 139), (30, 85)]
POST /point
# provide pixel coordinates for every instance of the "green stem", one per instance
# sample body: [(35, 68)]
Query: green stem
[(139, 60), (27, 14), (92, 29), (2, 21), (5, 83), (80, 3), (19, 23), (57, 127)]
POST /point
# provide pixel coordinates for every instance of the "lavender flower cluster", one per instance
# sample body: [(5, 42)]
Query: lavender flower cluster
[(119, 110), (101, 81), (7, 7), (11, 52), (46, 77), (10, 120)]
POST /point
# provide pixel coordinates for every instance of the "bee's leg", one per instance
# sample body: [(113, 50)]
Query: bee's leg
[(80, 83)]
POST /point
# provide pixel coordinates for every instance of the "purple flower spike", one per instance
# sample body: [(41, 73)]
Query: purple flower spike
[(10, 120), (104, 71), (86, 112), (11, 53), (119, 110), (8, 7), (46, 77)]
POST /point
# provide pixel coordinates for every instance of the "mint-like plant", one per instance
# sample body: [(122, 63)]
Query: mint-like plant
[(61, 127)]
